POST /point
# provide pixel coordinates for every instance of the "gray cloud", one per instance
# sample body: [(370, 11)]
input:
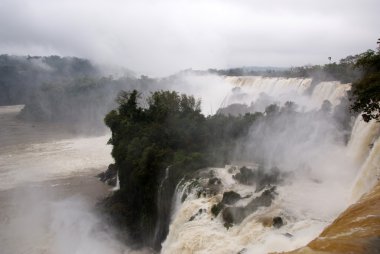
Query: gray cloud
[(160, 37)]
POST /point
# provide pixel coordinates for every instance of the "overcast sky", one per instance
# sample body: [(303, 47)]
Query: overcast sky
[(160, 37)]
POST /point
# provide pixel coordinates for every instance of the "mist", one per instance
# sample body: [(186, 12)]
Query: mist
[(54, 224), (160, 38)]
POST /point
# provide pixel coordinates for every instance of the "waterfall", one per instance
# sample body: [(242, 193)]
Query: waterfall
[(332, 91), (363, 135), (195, 229), (257, 89), (335, 167), (364, 146), (117, 187), (369, 173), (279, 89), (163, 210)]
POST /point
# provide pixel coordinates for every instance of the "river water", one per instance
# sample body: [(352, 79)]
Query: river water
[(48, 189)]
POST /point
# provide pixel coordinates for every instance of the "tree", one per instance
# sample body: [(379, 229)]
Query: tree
[(366, 91), (170, 133)]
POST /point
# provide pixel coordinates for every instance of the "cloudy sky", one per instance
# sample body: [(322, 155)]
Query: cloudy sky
[(160, 37)]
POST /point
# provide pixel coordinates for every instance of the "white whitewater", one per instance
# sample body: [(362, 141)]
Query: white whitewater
[(281, 90), (206, 234), (307, 204), (367, 145), (332, 91), (363, 136)]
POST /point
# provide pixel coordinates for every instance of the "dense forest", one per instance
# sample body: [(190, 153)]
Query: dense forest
[(21, 75), (345, 71)]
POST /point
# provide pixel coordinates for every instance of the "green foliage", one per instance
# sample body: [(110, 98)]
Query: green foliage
[(366, 91), (343, 71), (21, 75), (170, 132)]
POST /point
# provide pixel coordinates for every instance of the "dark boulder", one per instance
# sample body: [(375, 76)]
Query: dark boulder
[(214, 181), (260, 177), (200, 211), (236, 215), (215, 209), (278, 222), (245, 176), (230, 197), (109, 176)]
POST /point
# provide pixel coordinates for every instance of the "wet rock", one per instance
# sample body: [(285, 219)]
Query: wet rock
[(109, 176), (211, 188), (200, 211), (230, 197), (215, 209), (245, 176), (214, 181), (232, 169), (112, 181), (278, 222), (236, 215), (244, 250), (288, 235), (260, 177), (227, 225)]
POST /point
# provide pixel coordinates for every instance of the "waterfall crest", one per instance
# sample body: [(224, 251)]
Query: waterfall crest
[(253, 89)]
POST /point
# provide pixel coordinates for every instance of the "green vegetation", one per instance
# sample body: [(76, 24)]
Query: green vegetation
[(22, 75), (169, 131), (366, 90), (343, 71)]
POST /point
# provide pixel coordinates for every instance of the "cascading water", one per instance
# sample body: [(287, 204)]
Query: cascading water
[(369, 173), (117, 187), (363, 136), (279, 90), (307, 201), (163, 209), (332, 91)]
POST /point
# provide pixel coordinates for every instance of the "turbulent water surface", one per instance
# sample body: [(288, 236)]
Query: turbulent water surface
[(48, 189)]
